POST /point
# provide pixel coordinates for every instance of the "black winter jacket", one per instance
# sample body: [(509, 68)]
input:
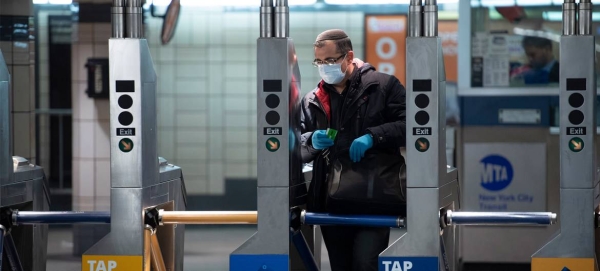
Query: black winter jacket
[(375, 103)]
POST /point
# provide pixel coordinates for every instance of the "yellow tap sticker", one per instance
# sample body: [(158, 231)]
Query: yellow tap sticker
[(111, 263), (563, 264)]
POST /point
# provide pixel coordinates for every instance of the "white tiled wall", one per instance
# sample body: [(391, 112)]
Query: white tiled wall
[(91, 148), (207, 88)]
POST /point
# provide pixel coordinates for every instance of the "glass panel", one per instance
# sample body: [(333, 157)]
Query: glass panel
[(517, 46)]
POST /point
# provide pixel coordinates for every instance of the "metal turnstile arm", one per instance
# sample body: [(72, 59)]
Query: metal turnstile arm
[(500, 218), (30, 217), (309, 218)]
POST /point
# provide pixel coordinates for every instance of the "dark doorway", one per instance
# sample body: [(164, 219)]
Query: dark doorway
[(59, 61)]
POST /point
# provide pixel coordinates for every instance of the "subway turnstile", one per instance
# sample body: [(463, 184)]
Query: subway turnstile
[(141, 182), (22, 186), (432, 186), (573, 247), (281, 185)]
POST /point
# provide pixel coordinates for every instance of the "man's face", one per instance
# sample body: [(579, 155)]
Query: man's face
[(329, 53), (538, 57)]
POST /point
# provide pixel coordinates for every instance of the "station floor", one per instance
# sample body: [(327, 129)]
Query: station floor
[(206, 248)]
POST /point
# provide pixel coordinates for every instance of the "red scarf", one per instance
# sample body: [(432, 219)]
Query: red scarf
[(323, 97)]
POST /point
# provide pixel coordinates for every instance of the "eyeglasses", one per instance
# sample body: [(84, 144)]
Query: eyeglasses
[(329, 61)]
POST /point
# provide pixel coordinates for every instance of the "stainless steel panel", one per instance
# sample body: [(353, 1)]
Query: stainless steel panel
[(448, 193), (155, 195), (126, 226), (425, 62), (281, 182), (273, 233), (578, 169), (170, 173), (576, 238), (38, 251), (273, 64), (422, 224), (6, 161), (177, 197), (126, 238), (139, 178), (130, 60), (432, 185), (28, 191)]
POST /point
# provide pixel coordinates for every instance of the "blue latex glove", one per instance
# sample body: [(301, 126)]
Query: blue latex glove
[(359, 147), (320, 140)]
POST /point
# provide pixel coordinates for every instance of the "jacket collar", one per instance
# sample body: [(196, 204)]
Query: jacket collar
[(355, 90)]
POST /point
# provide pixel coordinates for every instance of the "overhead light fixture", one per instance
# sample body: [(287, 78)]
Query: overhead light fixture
[(557, 16), (380, 2), (504, 3), (228, 3), (52, 2), (367, 2), (534, 2)]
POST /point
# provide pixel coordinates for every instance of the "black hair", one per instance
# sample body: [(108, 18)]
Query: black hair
[(537, 42), (339, 37)]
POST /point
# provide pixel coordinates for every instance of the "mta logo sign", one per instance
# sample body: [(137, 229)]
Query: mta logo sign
[(496, 173)]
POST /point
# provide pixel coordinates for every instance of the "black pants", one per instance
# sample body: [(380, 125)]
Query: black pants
[(355, 248)]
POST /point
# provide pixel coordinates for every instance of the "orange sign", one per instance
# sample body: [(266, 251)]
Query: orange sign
[(385, 45), (448, 32), (562, 264)]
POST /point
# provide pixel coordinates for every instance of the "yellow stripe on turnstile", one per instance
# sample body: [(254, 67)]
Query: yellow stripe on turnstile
[(111, 263), (559, 264)]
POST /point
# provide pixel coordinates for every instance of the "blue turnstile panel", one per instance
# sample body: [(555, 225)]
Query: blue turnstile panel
[(259, 263), (408, 264)]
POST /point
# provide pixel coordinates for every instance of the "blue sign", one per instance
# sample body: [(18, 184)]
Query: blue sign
[(496, 173), (566, 269), (258, 262), (408, 264)]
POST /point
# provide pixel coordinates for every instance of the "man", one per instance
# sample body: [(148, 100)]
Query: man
[(367, 108), (544, 68)]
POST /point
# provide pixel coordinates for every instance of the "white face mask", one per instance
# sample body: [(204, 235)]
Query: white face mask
[(332, 74)]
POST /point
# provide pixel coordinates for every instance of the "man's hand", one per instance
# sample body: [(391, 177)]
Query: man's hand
[(320, 140), (359, 147)]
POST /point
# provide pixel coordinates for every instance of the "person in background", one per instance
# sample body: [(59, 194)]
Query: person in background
[(542, 68), (367, 108)]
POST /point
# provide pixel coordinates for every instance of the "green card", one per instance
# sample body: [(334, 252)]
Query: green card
[(331, 133)]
